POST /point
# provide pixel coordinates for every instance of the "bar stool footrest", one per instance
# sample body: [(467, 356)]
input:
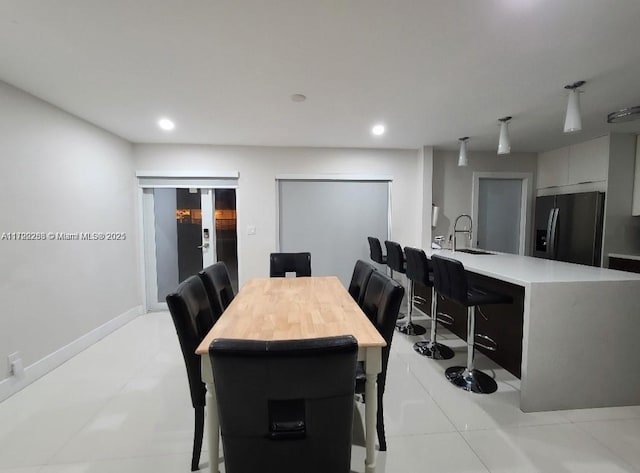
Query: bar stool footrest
[(492, 347), (445, 319)]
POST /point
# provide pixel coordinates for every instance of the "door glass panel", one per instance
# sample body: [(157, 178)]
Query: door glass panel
[(499, 206), (189, 229), (226, 238), (164, 209), (178, 235)]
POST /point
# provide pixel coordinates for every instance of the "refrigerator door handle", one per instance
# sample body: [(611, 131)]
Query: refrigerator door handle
[(549, 231), (554, 231)]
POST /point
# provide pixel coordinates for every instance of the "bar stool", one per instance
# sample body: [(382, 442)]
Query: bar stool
[(414, 273), (450, 281), (418, 270), (397, 262), (375, 251)]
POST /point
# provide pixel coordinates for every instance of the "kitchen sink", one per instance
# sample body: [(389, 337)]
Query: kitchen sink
[(474, 252)]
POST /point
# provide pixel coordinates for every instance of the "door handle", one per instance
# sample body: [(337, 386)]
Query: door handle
[(554, 231), (205, 245), (549, 229)]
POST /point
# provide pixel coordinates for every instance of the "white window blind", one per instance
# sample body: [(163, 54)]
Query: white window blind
[(332, 219)]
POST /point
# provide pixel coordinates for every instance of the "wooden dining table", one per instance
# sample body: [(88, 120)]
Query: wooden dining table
[(290, 309)]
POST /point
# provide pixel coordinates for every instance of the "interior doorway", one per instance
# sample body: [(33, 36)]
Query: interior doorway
[(501, 211), (185, 230)]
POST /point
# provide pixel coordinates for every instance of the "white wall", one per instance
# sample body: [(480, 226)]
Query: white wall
[(256, 198), (424, 179), (61, 174), (452, 185)]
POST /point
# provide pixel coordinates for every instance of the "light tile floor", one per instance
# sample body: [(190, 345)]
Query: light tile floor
[(123, 406)]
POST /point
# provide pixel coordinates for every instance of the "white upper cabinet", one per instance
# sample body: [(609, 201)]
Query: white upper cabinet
[(589, 161), (553, 168), (636, 183), (576, 164)]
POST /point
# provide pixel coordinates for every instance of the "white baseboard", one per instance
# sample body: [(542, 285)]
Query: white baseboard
[(12, 384)]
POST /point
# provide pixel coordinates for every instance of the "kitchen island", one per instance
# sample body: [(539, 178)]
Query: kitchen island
[(580, 329)]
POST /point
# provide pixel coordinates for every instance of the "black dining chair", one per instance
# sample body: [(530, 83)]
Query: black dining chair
[(283, 263), (217, 282), (381, 303), (193, 318), (359, 280), (285, 406)]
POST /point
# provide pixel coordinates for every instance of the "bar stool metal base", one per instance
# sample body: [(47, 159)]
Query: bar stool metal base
[(475, 380), (435, 351), (409, 328)]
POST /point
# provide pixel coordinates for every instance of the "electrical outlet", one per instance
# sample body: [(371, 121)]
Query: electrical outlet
[(15, 365)]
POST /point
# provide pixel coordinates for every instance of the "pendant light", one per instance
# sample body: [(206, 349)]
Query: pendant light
[(462, 157), (504, 143), (573, 120)]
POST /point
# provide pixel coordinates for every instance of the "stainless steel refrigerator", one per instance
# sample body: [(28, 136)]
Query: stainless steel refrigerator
[(568, 227)]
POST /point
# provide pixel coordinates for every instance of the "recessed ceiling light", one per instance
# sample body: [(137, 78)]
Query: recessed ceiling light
[(166, 124), (298, 97), (377, 130)]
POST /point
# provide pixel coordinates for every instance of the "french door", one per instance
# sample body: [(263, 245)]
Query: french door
[(185, 230)]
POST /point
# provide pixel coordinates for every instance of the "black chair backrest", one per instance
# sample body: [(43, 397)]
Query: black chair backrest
[(218, 285), (285, 406), (395, 256), (450, 279), (361, 274), (282, 263), (417, 266), (381, 304), (193, 318), (375, 250)]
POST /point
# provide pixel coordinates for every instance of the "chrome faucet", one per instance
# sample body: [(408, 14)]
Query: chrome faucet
[(456, 231)]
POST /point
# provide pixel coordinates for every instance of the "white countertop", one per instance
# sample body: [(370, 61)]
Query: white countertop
[(619, 255), (526, 270)]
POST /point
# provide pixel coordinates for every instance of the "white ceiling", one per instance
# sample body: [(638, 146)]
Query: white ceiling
[(431, 70)]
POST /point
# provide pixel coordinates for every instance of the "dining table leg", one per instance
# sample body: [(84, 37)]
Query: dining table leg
[(213, 425), (213, 428), (373, 366)]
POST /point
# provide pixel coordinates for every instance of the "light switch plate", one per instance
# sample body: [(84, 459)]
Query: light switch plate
[(251, 230)]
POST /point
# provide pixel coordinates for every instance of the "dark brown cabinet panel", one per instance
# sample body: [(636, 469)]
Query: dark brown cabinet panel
[(624, 264), (503, 322)]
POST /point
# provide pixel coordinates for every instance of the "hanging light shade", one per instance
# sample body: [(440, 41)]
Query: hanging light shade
[(462, 157), (573, 119), (504, 143)]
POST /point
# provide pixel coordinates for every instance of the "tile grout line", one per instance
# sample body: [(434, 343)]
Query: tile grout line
[(95, 414), (605, 446), (429, 395), (456, 431)]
